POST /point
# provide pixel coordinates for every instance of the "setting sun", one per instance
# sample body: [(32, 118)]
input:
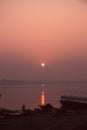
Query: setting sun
[(43, 64)]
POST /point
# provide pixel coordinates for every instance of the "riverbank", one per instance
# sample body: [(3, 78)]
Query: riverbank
[(53, 121)]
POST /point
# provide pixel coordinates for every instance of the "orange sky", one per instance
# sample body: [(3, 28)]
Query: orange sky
[(43, 30)]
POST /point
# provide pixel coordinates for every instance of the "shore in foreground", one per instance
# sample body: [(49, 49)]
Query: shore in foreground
[(53, 121)]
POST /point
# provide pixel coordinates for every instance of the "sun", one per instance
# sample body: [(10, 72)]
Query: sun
[(43, 64)]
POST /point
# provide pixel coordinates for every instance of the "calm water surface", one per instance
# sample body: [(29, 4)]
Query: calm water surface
[(14, 96)]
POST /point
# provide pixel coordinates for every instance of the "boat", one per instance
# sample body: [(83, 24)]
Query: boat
[(73, 103)]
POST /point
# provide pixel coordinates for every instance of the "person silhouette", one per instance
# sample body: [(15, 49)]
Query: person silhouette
[(23, 107)]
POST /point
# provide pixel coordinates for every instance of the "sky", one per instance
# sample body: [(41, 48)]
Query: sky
[(49, 31)]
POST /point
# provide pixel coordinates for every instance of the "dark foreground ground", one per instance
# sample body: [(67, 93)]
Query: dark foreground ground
[(58, 121)]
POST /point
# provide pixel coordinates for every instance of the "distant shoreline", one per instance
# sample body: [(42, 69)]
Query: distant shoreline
[(33, 82)]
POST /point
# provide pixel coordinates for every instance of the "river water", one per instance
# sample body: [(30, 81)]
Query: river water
[(14, 96)]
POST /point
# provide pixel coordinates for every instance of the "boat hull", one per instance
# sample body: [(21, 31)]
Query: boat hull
[(69, 105)]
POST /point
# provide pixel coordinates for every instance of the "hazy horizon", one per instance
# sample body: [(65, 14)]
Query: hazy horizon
[(53, 32)]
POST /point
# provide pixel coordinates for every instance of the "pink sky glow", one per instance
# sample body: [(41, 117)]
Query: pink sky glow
[(54, 32)]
